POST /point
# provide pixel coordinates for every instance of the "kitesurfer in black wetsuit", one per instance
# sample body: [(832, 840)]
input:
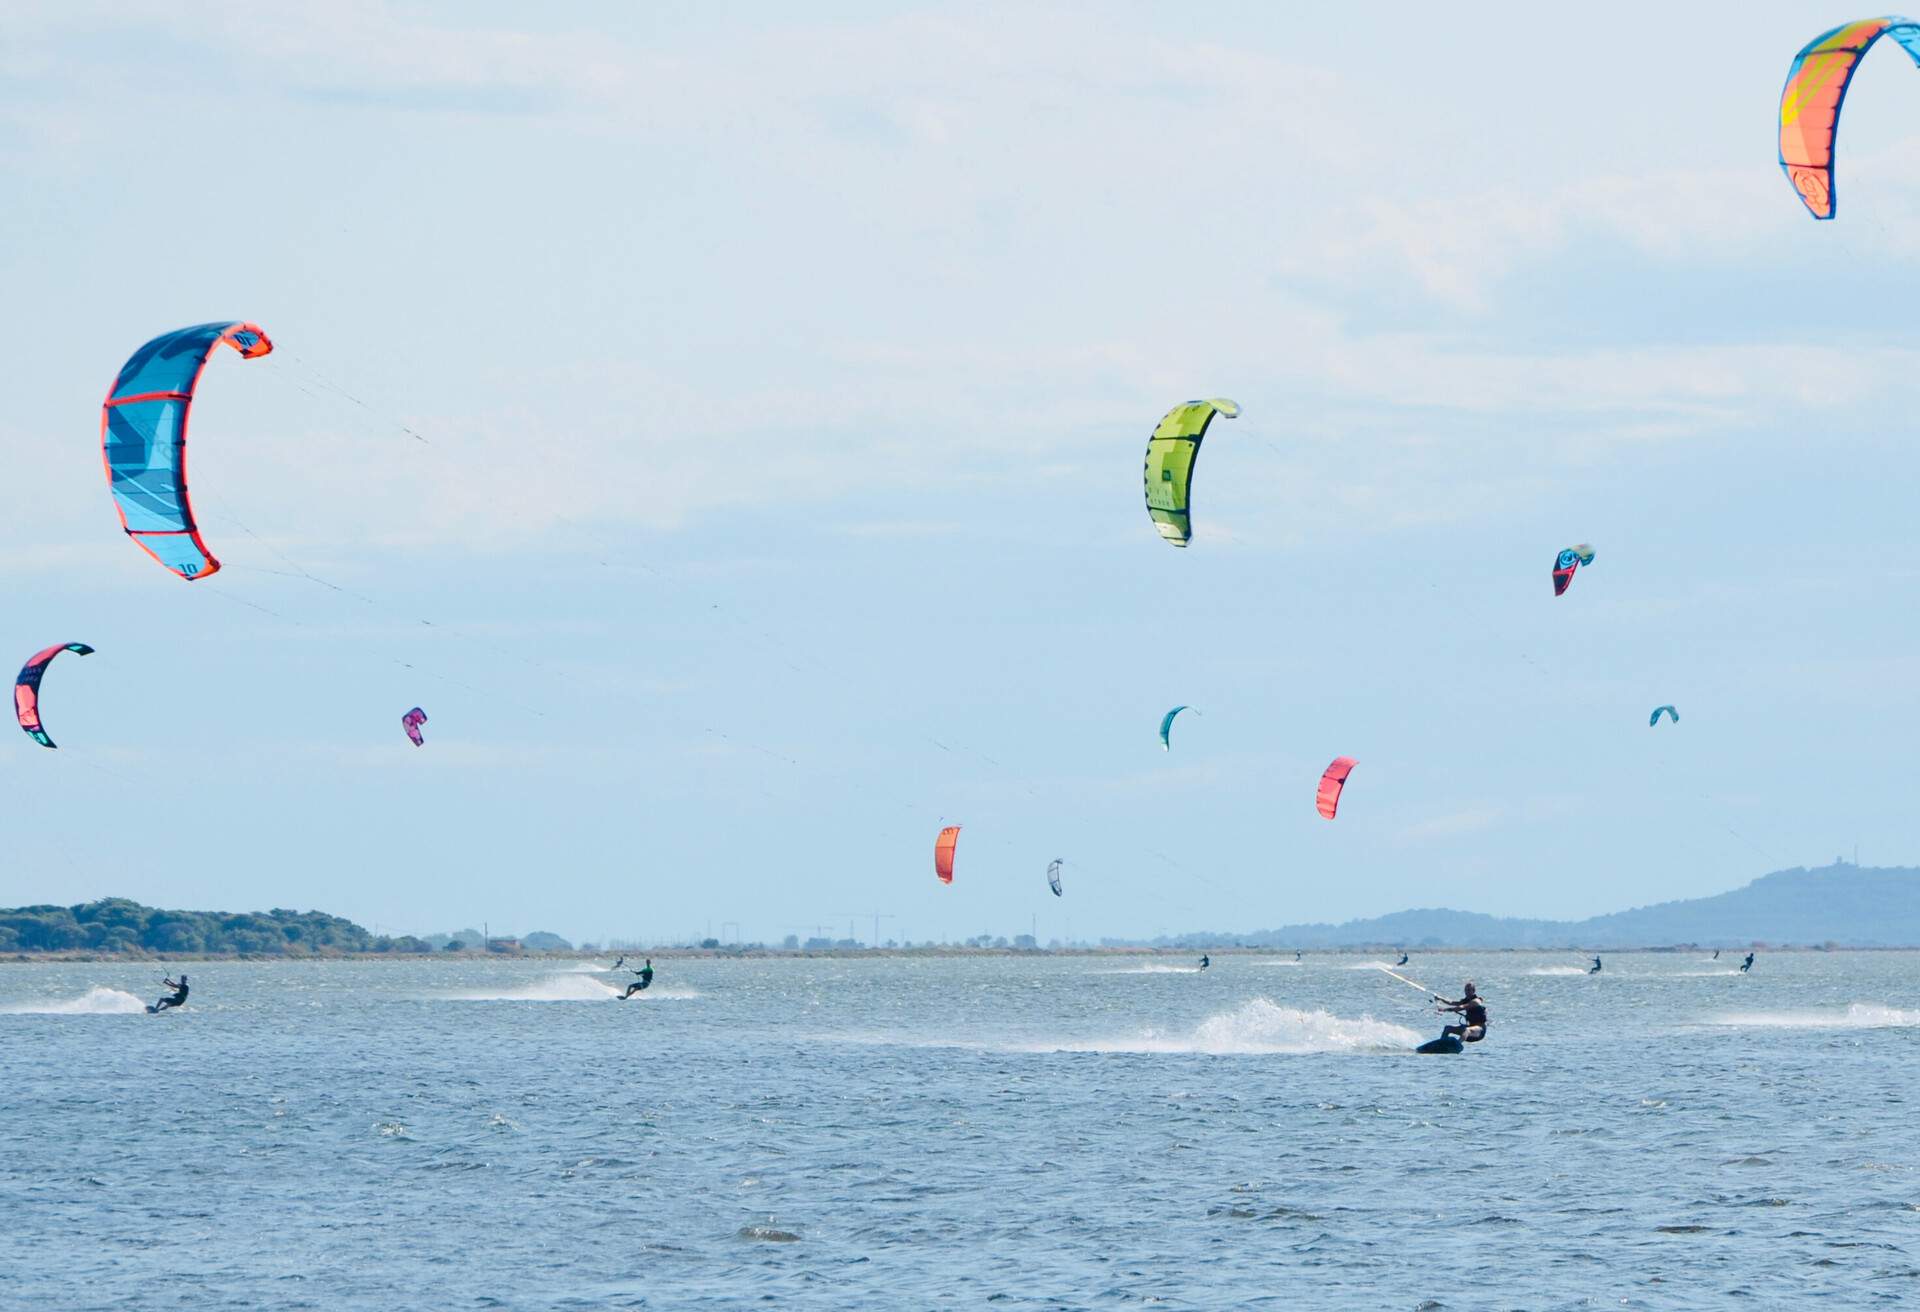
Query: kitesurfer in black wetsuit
[(1747, 965), (178, 998), (1402, 961), (1716, 954), (1205, 961), (1473, 1013), (646, 977), (1595, 968)]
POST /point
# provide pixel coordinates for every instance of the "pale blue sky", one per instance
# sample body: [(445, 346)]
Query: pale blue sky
[(785, 379)]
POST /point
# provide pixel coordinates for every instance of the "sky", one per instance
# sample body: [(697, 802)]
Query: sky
[(726, 422)]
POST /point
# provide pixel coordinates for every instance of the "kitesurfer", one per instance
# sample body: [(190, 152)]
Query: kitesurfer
[(1205, 961), (621, 962), (1595, 968), (1716, 954), (1472, 1010), (1747, 965), (1296, 954), (646, 977), (1402, 961), (178, 998)]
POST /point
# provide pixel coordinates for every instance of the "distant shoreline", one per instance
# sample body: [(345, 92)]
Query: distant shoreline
[(859, 954)]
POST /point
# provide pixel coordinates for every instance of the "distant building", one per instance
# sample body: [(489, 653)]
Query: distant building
[(503, 945)]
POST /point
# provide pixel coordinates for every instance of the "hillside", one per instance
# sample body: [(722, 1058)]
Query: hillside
[(1841, 904)]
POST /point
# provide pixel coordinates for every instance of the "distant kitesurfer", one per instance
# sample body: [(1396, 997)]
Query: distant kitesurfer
[(1747, 965), (1296, 954), (1473, 1013), (1595, 968), (621, 962), (1402, 961), (1716, 954), (646, 977), (1205, 961), (178, 998)]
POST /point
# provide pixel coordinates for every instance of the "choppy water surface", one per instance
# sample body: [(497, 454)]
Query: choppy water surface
[(1052, 1133)]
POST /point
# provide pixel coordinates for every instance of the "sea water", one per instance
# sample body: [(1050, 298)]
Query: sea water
[(1043, 1132)]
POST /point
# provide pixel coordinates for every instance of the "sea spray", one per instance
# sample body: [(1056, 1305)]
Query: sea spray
[(1260, 1026), (1856, 1016), (569, 986), (94, 1002)]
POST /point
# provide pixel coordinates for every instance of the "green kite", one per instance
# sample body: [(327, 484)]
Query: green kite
[(1171, 451)]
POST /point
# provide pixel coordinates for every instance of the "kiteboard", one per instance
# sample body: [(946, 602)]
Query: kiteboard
[(1445, 1043)]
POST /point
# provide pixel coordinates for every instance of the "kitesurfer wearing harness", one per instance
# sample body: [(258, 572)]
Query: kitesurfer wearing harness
[(1595, 968), (646, 977), (1473, 1012), (1747, 965), (1205, 961), (1402, 961), (178, 998)]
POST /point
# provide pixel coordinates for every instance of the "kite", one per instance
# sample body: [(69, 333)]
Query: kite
[(1171, 451), (26, 688), (1817, 83), (943, 853), (1335, 779), (143, 438), (1053, 876), (1166, 726), (411, 722), (1671, 715), (1566, 563)]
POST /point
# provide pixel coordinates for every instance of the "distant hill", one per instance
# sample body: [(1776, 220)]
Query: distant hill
[(1841, 904)]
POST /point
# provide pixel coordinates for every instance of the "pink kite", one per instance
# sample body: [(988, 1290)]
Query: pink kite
[(1335, 779), (411, 722)]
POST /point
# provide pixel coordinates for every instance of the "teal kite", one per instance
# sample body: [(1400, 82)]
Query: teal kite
[(1655, 717), (1166, 727)]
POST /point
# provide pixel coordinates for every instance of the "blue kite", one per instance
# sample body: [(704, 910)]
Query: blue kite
[(143, 436)]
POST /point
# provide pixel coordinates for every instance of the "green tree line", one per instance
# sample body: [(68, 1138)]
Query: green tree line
[(117, 924)]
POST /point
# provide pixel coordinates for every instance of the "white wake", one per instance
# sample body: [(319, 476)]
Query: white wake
[(94, 1002), (571, 986), (1856, 1016), (1260, 1026)]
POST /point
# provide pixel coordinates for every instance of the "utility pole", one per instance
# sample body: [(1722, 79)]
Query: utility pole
[(877, 918)]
